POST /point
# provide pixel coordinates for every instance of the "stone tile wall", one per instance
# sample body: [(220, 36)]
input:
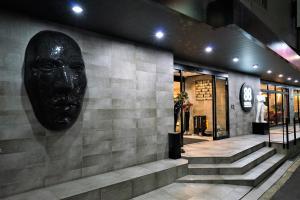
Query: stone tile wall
[(127, 112), (240, 121)]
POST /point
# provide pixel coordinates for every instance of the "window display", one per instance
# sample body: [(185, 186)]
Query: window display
[(202, 115), (277, 103)]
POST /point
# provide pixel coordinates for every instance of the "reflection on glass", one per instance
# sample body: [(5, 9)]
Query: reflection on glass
[(177, 107), (285, 89), (296, 105), (278, 88), (221, 103), (279, 108), (266, 106), (271, 87), (285, 106), (199, 89), (272, 107), (263, 86)]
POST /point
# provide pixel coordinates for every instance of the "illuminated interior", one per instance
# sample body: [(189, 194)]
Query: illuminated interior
[(199, 89)]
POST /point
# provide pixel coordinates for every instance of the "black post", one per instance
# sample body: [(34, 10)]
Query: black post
[(283, 144), (295, 131), (268, 96), (269, 135), (181, 109), (287, 133), (174, 145)]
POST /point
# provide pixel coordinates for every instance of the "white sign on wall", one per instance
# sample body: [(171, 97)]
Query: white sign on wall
[(246, 97)]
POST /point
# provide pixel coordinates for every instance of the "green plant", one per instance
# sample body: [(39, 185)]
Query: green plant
[(181, 96)]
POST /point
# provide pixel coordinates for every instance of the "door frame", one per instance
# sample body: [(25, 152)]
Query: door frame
[(215, 118), (215, 75)]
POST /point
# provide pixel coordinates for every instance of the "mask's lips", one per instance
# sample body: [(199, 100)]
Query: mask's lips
[(65, 120)]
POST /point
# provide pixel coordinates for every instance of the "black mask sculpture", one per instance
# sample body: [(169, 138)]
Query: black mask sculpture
[(55, 79)]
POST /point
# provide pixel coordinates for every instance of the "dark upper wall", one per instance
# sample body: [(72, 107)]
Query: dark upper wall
[(277, 15)]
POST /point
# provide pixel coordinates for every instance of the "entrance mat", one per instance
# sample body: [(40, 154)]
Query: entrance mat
[(192, 140)]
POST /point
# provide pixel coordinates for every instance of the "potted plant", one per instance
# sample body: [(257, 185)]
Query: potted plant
[(178, 102)]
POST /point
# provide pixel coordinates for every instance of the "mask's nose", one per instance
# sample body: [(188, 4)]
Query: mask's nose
[(64, 80)]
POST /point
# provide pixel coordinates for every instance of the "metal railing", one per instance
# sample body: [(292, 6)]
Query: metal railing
[(285, 133)]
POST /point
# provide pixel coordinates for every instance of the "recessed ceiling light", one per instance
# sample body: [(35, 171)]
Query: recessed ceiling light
[(255, 66), (77, 9), (289, 78), (296, 81), (235, 59), (159, 34), (208, 49), (280, 75), (269, 72)]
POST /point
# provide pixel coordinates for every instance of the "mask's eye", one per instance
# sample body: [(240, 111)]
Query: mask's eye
[(77, 66), (46, 67)]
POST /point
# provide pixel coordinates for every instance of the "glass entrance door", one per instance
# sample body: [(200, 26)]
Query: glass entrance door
[(277, 103), (220, 108), (203, 113), (286, 109)]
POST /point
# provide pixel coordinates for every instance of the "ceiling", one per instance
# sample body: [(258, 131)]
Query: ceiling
[(137, 20)]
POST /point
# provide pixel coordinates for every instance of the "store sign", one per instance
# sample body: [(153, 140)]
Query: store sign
[(246, 97)]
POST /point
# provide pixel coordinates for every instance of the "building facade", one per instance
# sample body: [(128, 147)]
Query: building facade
[(128, 107)]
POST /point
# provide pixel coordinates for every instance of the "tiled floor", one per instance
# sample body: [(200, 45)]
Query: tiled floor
[(194, 191), (276, 133), (222, 148), (190, 139), (230, 146)]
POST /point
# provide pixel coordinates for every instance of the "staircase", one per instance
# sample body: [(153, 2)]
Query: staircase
[(248, 167)]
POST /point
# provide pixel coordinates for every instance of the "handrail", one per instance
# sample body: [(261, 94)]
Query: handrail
[(295, 141), (269, 135), (287, 133), (283, 144)]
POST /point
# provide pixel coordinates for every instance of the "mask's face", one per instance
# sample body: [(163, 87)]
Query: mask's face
[(55, 79)]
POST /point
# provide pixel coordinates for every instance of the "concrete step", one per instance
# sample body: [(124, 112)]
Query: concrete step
[(240, 166), (125, 183), (224, 159), (251, 178)]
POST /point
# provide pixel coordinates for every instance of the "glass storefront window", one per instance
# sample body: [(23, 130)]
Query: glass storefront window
[(221, 104), (202, 112), (277, 98), (263, 86), (271, 87), (278, 88), (286, 106), (296, 104), (272, 107), (279, 108), (177, 106), (285, 89), (266, 106), (199, 90)]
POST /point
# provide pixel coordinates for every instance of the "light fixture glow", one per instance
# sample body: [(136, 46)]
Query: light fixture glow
[(235, 59), (269, 72), (77, 9), (296, 81), (255, 66), (159, 34), (280, 75), (208, 49), (289, 78)]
